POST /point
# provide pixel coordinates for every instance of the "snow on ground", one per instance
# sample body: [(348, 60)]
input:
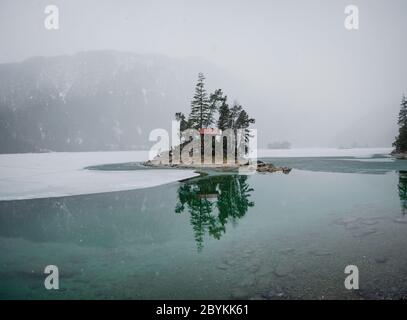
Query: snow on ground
[(43, 175), (322, 152)]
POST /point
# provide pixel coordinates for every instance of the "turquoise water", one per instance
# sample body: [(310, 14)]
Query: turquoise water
[(222, 236)]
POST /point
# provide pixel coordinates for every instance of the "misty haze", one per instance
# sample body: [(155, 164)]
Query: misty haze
[(284, 177)]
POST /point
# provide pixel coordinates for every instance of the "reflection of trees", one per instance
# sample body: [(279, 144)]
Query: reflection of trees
[(402, 188), (228, 195)]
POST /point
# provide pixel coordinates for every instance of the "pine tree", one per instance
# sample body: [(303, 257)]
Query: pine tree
[(234, 114), (224, 115), (202, 114), (401, 141), (243, 122), (239, 119), (402, 121), (215, 102), (200, 111), (179, 116)]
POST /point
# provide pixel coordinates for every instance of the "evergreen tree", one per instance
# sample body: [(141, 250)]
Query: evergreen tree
[(243, 121), (200, 112), (239, 119), (401, 141), (224, 115), (208, 216), (403, 112), (234, 114), (179, 116), (402, 187), (215, 102)]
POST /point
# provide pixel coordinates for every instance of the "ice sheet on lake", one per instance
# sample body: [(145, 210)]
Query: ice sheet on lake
[(43, 175), (322, 152)]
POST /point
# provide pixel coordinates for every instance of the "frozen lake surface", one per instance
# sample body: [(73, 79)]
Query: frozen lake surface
[(45, 175), (221, 236)]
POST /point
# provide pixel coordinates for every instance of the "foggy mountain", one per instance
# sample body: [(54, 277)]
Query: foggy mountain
[(99, 100), (109, 100)]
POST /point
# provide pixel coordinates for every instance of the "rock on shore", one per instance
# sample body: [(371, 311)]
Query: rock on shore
[(261, 166), (399, 155), (269, 167)]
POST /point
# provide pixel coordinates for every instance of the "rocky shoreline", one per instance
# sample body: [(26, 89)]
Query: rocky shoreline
[(269, 167), (399, 155), (262, 167)]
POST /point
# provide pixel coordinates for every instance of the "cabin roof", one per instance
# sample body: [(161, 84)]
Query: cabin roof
[(210, 131)]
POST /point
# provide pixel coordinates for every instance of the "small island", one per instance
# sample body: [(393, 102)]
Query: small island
[(214, 136)]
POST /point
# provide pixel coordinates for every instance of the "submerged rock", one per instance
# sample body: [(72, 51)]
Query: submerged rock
[(254, 268), (364, 233), (222, 266), (239, 294), (369, 222), (257, 297), (248, 282), (283, 269), (274, 293), (352, 226), (381, 260), (346, 221), (320, 253), (287, 251)]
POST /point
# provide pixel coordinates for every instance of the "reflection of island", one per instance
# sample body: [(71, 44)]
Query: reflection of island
[(212, 202), (402, 188)]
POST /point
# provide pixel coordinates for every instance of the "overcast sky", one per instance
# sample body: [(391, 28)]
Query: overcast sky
[(326, 85)]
